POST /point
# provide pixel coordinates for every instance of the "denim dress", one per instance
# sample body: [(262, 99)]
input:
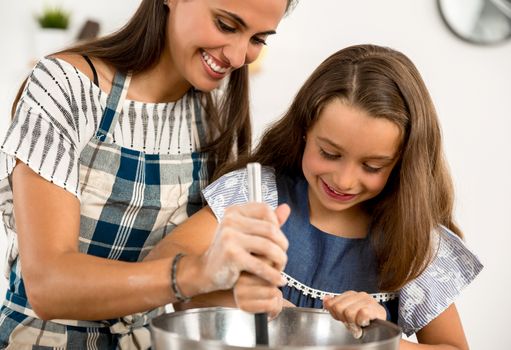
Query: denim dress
[(321, 264)]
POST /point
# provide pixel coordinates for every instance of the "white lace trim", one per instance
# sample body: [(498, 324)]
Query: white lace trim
[(319, 294)]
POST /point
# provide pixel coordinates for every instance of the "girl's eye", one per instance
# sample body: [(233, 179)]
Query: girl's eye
[(371, 169), (224, 27), (327, 155)]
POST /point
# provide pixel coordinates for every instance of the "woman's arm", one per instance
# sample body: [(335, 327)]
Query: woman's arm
[(63, 283), (194, 237), (60, 281), (443, 333)]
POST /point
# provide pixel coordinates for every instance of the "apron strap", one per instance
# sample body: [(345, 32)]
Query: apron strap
[(114, 106)]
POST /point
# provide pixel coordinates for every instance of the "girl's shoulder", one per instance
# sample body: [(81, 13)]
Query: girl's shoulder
[(232, 188), (453, 267)]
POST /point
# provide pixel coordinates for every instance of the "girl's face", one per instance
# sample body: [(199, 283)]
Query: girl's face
[(348, 157), (207, 39)]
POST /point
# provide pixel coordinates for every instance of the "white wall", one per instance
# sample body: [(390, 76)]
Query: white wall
[(470, 85)]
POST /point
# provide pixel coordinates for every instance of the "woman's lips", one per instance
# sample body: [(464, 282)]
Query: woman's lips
[(343, 197), (213, 67)]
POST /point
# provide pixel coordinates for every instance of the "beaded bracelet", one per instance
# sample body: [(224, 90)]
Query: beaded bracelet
[(173, 278)]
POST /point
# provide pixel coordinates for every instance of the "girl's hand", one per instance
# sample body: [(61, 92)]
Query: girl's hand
[(355, 309), (253, 294), (247, 239)]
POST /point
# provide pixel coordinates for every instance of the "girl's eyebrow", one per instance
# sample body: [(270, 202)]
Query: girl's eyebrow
[(374, 157), (242, 23)]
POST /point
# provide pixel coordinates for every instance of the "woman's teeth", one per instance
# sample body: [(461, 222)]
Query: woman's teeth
[(216, 68)]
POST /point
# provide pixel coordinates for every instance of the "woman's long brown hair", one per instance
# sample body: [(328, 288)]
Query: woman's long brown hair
[(419, 194), (137, 47)]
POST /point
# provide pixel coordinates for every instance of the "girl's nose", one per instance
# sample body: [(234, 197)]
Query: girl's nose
[(345, 179)]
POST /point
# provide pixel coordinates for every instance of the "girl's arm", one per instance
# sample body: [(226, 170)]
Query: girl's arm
[(443, 333), (356, 309), (62, 283)]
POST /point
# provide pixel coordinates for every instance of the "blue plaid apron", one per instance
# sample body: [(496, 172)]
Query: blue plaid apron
[(130, 200)]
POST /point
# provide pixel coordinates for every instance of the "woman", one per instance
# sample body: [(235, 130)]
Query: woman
[(110, 145)]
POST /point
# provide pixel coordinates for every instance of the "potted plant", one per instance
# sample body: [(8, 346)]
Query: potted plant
[(52, 33)]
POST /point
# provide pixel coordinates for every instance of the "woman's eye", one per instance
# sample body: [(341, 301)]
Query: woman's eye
[(327, 155), (258, 41), (224, 27)]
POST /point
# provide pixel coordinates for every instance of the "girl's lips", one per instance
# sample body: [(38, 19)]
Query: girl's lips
[(214, 68), (343, 197)]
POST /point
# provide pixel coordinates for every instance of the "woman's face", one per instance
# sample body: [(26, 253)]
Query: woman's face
[(207, 39), (348, 157)]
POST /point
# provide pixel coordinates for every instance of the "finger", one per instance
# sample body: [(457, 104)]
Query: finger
[(282, 212), (327, 300), (256, 292), (338, 304), (331, 300), (234, 243), (265, 250), (271, 306), (355, 330), (261, 211), (255, 227), (362, 309), (370, 312), (263, 270), (359, 312)]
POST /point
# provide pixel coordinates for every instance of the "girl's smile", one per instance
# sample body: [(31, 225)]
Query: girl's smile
[(348, 158), (340, 196)]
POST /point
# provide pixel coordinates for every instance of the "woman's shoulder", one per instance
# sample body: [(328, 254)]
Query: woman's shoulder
[(79, 64), (76, 61)]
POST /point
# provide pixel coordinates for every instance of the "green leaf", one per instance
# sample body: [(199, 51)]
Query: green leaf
[(54, 18)]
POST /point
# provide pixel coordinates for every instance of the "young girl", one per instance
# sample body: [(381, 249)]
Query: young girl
[(358, 159), (110, 145)]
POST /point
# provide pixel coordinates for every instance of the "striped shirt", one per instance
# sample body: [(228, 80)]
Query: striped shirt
[(136, 168)]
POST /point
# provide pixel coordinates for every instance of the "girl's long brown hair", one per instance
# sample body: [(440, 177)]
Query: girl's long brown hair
[(137, 47), (419, 194)]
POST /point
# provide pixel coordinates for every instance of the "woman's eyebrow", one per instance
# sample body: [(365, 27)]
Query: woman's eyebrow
[(242, 23)]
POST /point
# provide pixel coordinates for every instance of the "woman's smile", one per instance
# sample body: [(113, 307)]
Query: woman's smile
[(215, 68)]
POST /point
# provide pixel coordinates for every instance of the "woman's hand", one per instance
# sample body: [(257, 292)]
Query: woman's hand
[(355, 309), (253, 294), (248, 239)]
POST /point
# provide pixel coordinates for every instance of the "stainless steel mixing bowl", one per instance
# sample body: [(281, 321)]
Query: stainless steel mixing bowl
[(294, 328)]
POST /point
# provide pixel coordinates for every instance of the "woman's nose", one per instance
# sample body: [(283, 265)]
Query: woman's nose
[(236, 53)]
